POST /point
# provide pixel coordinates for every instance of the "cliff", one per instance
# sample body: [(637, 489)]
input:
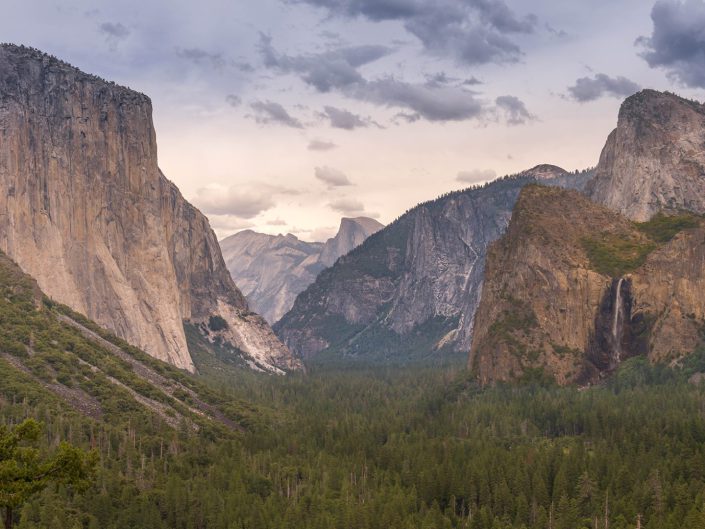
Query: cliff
[(654, 160), (87, 212), (573, 288), (271, 270), (411, 289)]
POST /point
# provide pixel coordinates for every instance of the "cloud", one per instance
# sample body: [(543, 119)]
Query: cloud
[(114, 33), (472, 32), (351, 207), (319, 145), (592, 88), (228, 223), (435, 100), (442, 79), (114, 30), (332, 177), (335, 68), (347, 206), (475, 176), (232, 201), (269, 112), (555, 32), (677, 43), (243, 66), (276, 222), (233, 100), (514, 110), (442, 103), (199, 56), (343, 119)]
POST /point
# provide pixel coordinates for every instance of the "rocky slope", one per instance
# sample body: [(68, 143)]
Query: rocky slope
[(61, 358), (87, 212), (654, 160), (412, 288), (574, 288), (271, 270)]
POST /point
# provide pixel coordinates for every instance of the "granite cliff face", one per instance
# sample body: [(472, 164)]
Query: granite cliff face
[(412, 288), (573, 289), (87, 212), (655, 159), (271, 270)]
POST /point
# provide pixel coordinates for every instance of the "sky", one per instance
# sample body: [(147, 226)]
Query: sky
[(282, 116)]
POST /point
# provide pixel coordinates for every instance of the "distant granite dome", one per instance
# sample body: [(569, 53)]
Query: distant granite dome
[(654, 159), (87, 212), (271, 270), (351, 234)]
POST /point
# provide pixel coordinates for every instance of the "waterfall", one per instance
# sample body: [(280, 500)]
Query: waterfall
[(616, 335)]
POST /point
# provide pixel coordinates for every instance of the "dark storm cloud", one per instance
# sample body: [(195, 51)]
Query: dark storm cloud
[(600, 85), (269, 112), (514, 110), (677, 43), (343, 119), (199, 56), (336, 68), (471, 31), (114, 30)]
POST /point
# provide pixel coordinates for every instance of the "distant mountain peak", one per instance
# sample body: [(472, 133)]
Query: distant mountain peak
[(545, 172), (271, 270)]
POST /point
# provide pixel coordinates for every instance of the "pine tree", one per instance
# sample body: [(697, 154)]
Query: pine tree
[(24, 473)]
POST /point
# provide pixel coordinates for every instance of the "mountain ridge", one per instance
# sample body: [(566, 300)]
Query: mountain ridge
[(413, 286)]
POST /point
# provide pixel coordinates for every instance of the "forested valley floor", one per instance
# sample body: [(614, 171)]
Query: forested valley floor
[(392, 448)]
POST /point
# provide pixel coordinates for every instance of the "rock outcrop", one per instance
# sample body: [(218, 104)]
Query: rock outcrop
[(351, 234), (271, 270), (573, 288), (87, 212), (411, 289), (654, 160)]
